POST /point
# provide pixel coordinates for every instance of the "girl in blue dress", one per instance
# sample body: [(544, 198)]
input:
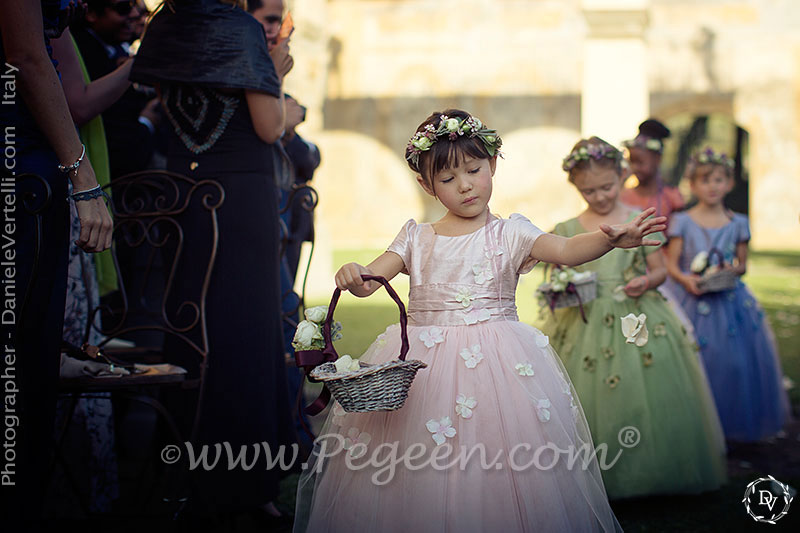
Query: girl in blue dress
[(737, 346)]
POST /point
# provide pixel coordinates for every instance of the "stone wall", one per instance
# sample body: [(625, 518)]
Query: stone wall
[(371, 70)]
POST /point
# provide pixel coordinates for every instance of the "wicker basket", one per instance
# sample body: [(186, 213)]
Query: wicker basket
[(721, 280), (575, 295), (381, 387)]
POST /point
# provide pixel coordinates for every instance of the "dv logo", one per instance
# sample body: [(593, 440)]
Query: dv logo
[(767, 500)]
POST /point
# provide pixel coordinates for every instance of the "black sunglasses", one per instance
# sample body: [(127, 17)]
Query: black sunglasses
[(123, 8)]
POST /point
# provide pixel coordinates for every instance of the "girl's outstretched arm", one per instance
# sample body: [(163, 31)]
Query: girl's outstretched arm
[(588, 246), (348, 278)]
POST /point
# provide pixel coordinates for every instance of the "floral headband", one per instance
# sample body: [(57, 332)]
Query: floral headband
[(590, 151), (709, 156), (452, 128), (643, 141)]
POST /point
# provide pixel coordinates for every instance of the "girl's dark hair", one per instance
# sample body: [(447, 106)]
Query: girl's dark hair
[(444, 153), (654, 129), (613, 162)]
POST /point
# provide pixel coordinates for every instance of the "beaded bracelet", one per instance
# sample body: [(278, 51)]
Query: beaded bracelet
[(89, 194), (74, 166)]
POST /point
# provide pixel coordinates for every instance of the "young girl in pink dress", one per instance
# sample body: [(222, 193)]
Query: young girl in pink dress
[(483, 440)]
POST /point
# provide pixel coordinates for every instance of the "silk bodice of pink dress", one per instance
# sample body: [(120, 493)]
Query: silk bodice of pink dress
[(465, 279)]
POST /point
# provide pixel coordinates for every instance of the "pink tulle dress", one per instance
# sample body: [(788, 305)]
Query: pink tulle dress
[(492, 436)]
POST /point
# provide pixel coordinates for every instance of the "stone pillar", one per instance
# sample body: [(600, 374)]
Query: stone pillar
[(615, 96)]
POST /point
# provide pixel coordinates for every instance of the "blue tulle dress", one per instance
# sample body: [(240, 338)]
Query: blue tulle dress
[(736, 343)]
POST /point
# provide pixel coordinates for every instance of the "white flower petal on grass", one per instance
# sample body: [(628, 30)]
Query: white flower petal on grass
[(634, 329), (472, 356), (431, 336), (465, 405)]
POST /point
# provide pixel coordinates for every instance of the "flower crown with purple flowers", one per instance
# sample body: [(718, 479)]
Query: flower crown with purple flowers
[(648, 143), (452, 128), (590, 151), (709, 156)]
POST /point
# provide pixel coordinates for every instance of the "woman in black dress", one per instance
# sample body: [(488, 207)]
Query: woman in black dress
[(222, 94)]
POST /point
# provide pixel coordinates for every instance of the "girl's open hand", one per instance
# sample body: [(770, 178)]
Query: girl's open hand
[(632, 234), (348, 278)]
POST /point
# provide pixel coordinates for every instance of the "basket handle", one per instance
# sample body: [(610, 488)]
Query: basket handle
[(330, 351), (716, 251)]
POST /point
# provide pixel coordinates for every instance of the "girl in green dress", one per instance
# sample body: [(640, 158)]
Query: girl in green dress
[(645, 397)]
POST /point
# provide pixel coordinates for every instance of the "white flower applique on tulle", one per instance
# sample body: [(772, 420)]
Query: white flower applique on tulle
[(352, 441), (472, 356), (476, 315), (542, 340), (431, 336), (634, 329), (465, 405), (543, 409), (482, 272), (338, 414), (441, 429), (524, 369)]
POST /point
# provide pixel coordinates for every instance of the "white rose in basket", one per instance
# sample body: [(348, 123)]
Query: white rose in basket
[(699, 263), (317, 314), (580, 276)]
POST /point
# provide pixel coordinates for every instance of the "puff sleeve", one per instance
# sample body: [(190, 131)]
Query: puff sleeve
[(520, 236), (677, 225), (402, 244), (742, 228)]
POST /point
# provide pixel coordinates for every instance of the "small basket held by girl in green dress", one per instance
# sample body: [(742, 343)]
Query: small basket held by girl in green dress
[(567, 288)]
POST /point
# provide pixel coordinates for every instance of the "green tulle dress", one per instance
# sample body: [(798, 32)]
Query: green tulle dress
[(659, 389)]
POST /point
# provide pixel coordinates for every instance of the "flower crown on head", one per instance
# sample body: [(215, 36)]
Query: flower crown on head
[(709, 156), (643, 141), (452, 128), (590, 151)]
